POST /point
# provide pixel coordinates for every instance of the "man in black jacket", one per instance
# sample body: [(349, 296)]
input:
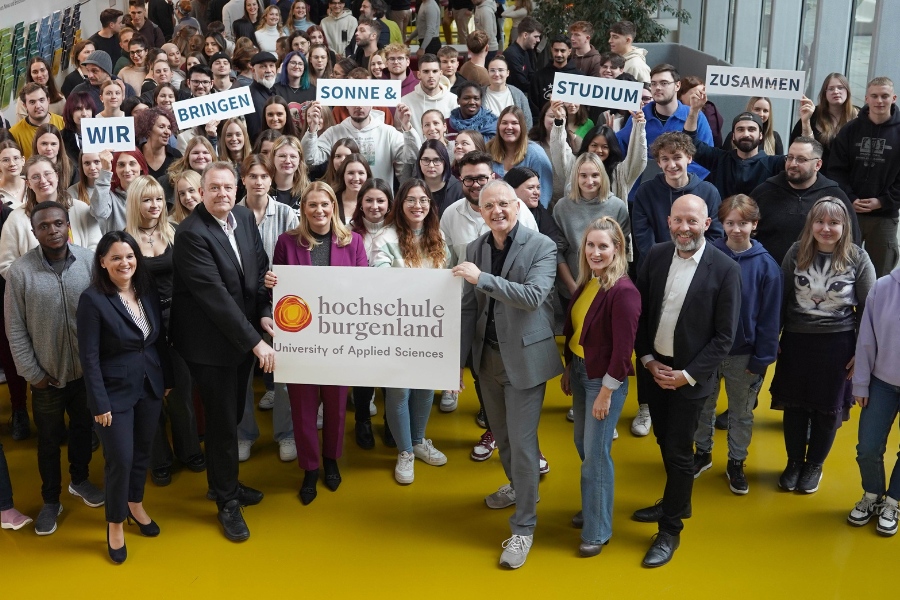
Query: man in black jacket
[(520, 54), (691, 299), (541, 86), (220, 307), (265, 69), (162, 12), (786, 199), (865, 161)]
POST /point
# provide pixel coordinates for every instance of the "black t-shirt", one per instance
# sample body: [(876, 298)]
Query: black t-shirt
[(498, 257), (108, 45)]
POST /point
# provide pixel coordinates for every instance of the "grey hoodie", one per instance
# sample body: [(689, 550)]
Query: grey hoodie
[(40, 314)]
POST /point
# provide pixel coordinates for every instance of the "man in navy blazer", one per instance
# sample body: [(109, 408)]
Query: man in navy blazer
[(691, 299), (220, 307)]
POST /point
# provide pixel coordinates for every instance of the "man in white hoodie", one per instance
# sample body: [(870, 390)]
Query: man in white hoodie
[(621, 35), (384, 147), (339, 26), (431, 93)]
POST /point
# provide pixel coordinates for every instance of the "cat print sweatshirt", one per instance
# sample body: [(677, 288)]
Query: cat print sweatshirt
[(818, 299)]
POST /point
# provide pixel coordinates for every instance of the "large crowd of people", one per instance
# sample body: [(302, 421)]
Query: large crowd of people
[(137, 284)]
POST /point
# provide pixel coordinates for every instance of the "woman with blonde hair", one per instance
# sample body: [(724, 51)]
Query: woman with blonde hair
[(512, 148), (198, 153), (321, 239), (269, 29), (772, 144), (826, 281), (412, 239), (601, 323), (187, 195), (834, 110), (291, 176)]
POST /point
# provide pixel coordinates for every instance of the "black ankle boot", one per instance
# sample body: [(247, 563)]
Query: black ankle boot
[(308, 489), (332, 474), (364, 437)]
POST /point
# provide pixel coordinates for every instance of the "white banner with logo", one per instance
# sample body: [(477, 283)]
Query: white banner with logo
[(596, 91), (741, 81), (213, 107), (115, 134), (357, 326), (358, 92)]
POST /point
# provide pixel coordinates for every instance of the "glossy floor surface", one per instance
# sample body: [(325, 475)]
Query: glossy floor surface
[(437, 539)]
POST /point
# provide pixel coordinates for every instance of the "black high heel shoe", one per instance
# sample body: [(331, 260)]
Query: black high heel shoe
[(119, 555), (151, 529)]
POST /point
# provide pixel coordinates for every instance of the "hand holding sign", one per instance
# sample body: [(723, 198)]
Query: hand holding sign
[(403, 116), (558, 110), (638, 116), (314, 117), (212, 128), (106, 160), (806, 109)]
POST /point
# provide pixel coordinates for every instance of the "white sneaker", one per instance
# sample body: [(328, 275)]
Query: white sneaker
[(320, 417), (287, 450), (887, 518), (404, 471), (570, 416), (373, 410), (864, 510), (515, 551), (244, 450), (449, 401), (503, 497), (267, 402), (427, 452), (616, 433), (640, 426)]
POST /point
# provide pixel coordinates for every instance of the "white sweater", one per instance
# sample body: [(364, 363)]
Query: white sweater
[(267, 38), (17, 238), (419, 103)]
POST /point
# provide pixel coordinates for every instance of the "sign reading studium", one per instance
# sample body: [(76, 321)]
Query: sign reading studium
[(741, 81), (595, 91), (115, 134), (369, 327), (358, 92), (213, 107)]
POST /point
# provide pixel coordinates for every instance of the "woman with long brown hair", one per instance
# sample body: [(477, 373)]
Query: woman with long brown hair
[(352, 174), (834, 110), (89, 167), (80, 52), (341, 149), (48, 141), (827, 278), (39, 71), (321, 239), (412, 239), (512, 148)]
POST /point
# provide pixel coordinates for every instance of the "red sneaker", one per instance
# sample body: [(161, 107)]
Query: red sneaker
[(545, 466), (485, 447)]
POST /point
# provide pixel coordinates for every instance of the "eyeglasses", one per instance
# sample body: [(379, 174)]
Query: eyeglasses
[(835, 88), (133, 52), (661, 84), (13, 160), (37, 177), (797, 159), (200, 82), (500, 71), (397, 59), (470, 181), (416, 202), (503, 204), (431, 162), (295, 64)]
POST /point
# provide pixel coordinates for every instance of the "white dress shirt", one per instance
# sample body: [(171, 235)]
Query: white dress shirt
[(229, 225), (678, 281)]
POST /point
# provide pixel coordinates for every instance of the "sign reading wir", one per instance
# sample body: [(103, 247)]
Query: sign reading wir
[(594, 91), (367, 327), (115, 134), (358, 92), (213, 107), (741, 81)]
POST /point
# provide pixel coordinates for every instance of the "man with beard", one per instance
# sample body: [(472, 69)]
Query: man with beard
[(431, 93), (99, 68), (542, 83), (736, 171), (785, 199), (691, 299), (265, 73)]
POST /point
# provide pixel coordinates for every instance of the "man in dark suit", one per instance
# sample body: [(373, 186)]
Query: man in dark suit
[(691, 303), (220, 307)]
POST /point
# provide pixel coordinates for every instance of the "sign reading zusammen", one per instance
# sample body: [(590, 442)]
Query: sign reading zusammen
[(741, 81), (595, 91), (213, 107), (367, 327)]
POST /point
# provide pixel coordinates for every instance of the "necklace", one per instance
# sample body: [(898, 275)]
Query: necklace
[(152, 230)]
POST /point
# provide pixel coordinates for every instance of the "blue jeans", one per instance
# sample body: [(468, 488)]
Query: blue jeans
[(407, 413), (593, 440), (875, 423), (742, 389)]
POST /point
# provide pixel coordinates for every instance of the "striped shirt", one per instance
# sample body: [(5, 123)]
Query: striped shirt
[(279, 219), (139, 319)]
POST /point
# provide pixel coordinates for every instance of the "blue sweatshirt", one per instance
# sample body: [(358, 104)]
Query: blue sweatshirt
[(761, 295), (655, 127), (653, 203)]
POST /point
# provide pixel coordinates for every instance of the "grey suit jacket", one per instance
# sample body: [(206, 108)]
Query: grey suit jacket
[(522, 314)]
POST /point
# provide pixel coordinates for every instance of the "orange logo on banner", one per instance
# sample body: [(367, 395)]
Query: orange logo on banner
[(292, 314)]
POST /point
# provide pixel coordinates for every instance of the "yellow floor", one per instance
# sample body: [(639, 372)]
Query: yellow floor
[(436, 539)]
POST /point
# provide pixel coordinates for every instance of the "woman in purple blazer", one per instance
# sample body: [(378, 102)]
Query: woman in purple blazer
[(320, 240), (600, 328)]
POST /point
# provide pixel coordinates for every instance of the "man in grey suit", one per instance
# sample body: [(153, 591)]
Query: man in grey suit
[(507, 322)]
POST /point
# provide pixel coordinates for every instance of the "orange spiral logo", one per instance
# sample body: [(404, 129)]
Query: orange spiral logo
[(292, 314)]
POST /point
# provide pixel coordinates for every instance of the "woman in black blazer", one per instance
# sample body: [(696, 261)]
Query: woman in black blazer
[(121, 340)]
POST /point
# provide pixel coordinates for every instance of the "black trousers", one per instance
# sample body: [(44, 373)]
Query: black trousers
[(674, 424), (821, 428), (361, 398), (178, 406), (469, 363), (223, 391), (50, 406), (127, 443)]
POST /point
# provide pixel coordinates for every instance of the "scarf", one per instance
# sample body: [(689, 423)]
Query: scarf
[(484, 122)]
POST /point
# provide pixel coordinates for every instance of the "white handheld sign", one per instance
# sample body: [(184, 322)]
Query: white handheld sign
[(741, 81), (213, 107), (115, 134), (358, 92), (595, 91)]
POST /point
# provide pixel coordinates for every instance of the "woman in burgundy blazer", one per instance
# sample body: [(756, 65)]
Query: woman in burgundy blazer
[(323, 240), (601, 323)]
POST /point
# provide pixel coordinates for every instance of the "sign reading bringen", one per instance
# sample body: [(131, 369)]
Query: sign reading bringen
[(367, 327), (213, 107)]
